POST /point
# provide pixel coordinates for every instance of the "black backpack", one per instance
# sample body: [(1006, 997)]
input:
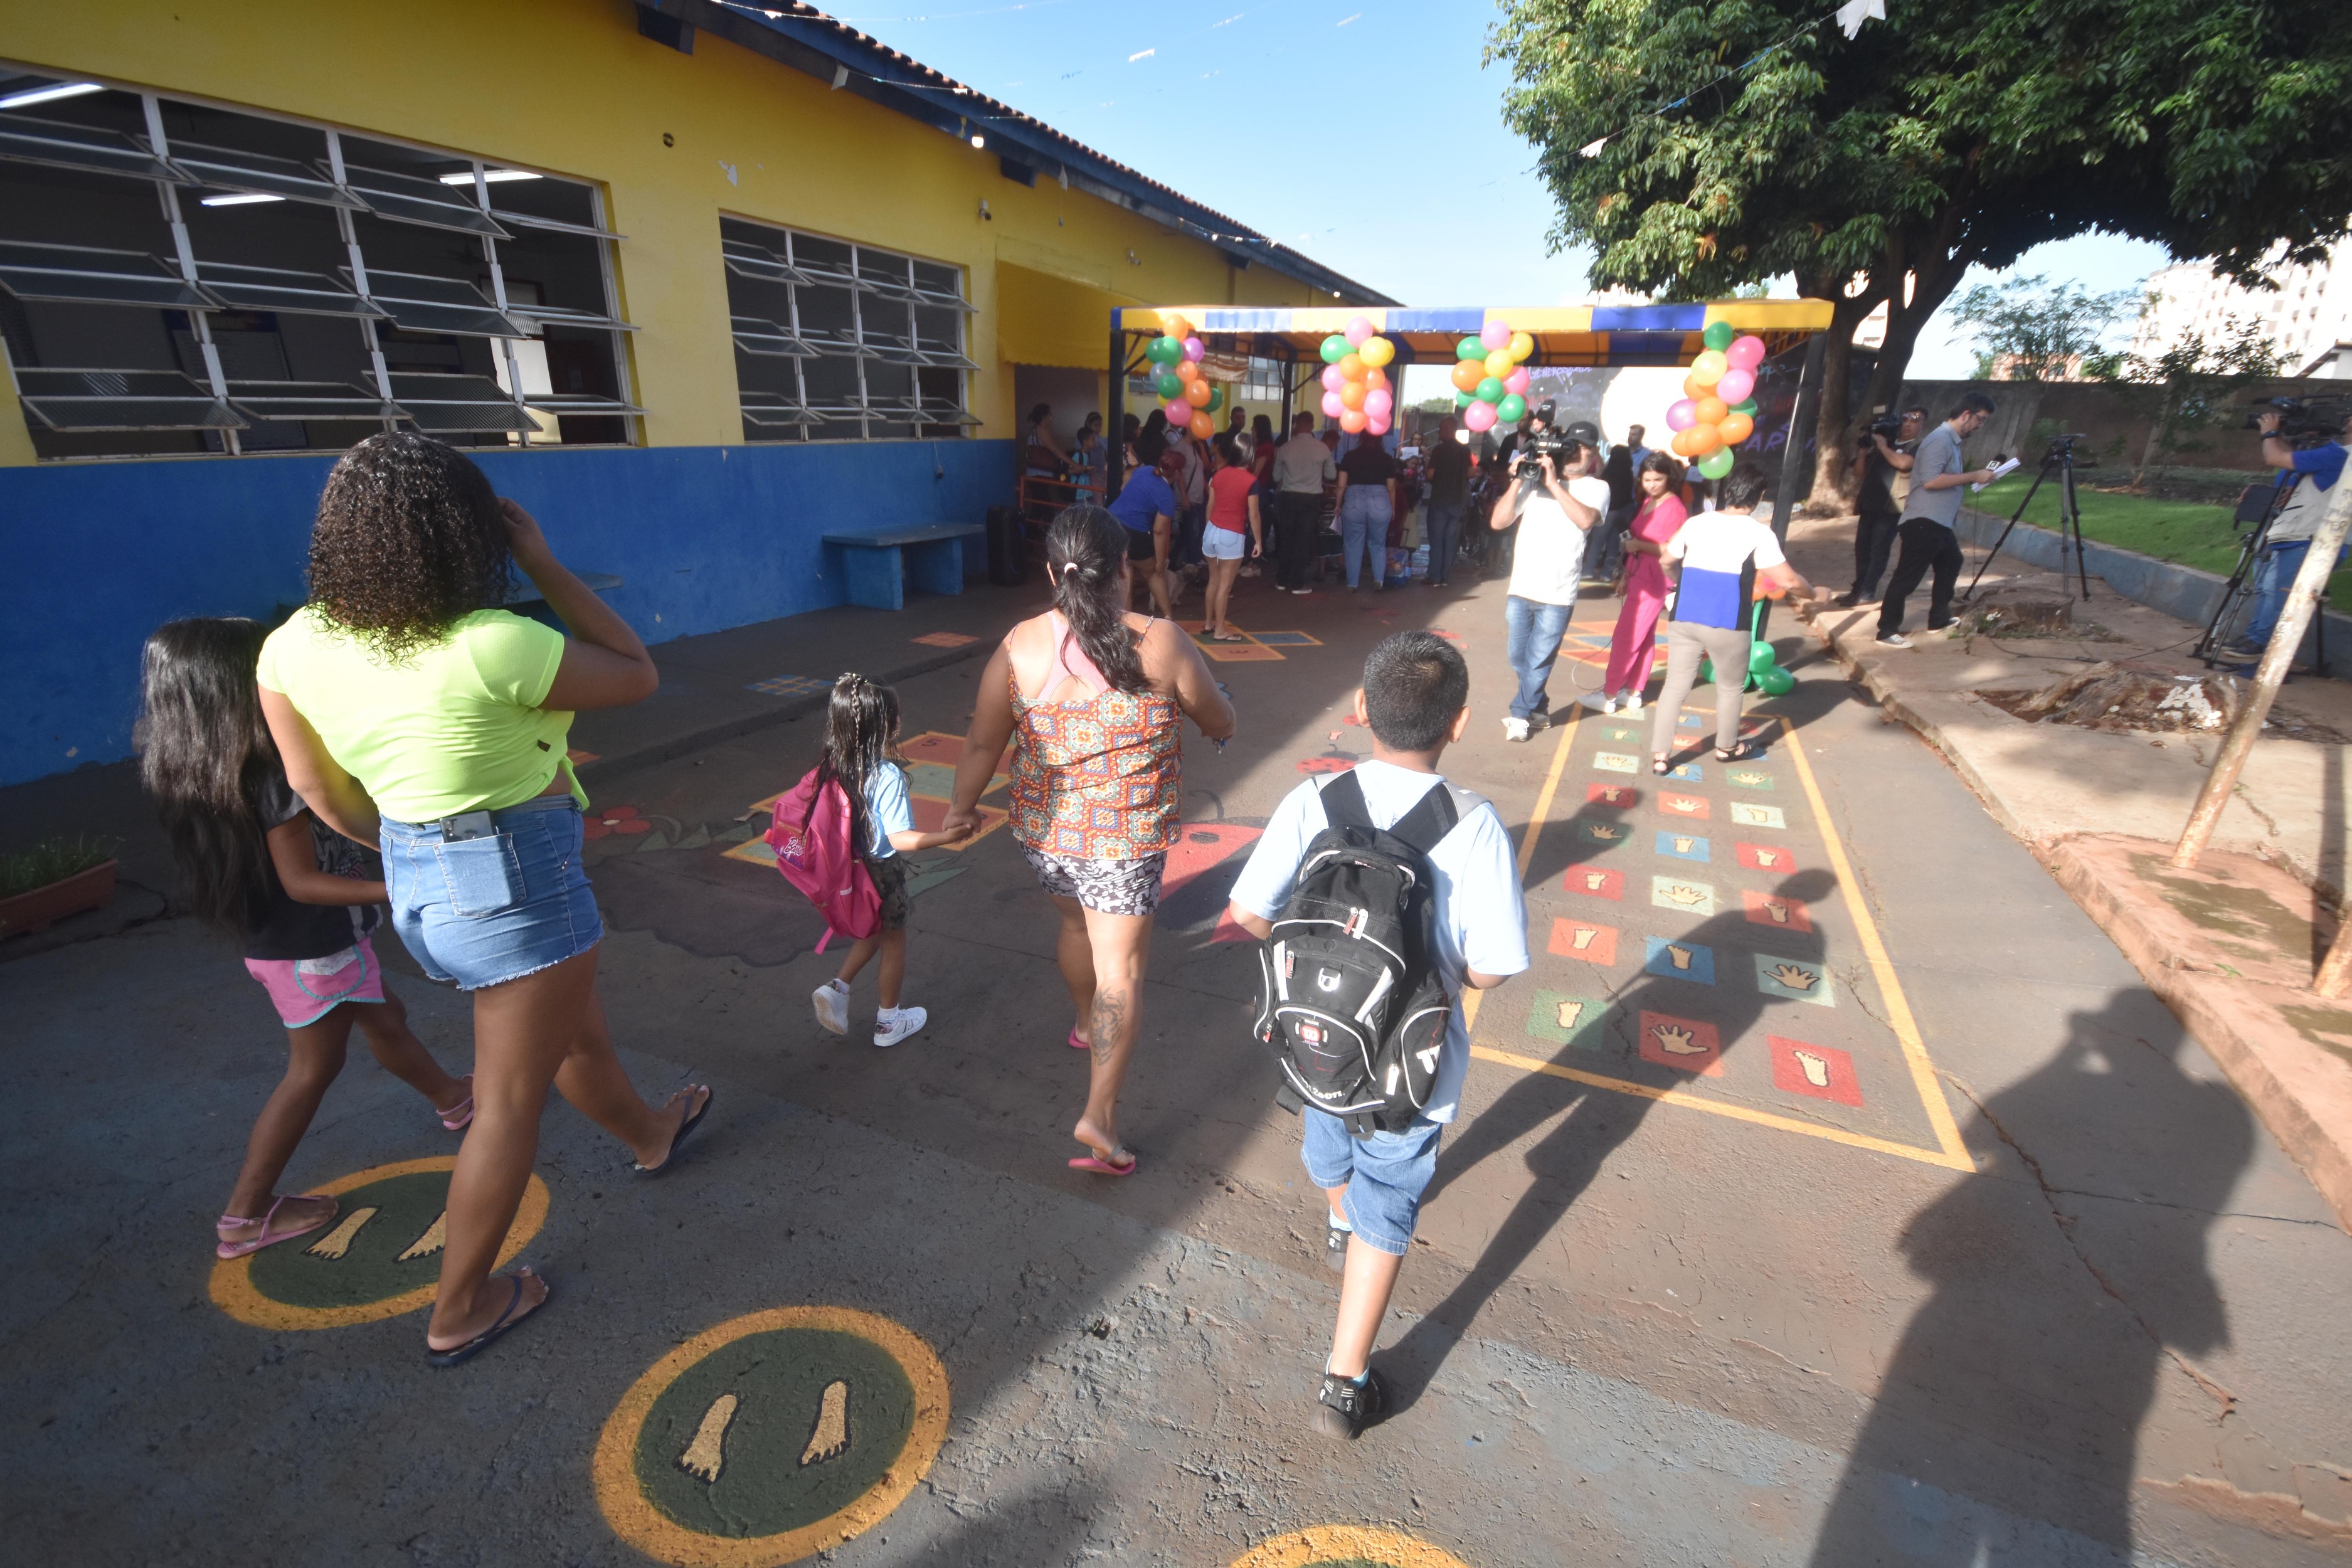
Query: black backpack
[(1352, 1006)]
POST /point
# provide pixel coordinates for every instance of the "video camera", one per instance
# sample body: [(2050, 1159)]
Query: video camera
[(1889, 425), (2063, 446), (2303, 421)]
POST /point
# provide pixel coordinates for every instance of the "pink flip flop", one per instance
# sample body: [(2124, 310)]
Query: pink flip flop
[(458, 1115), (1102, 1167), (1078, 1045), (229, 1250)]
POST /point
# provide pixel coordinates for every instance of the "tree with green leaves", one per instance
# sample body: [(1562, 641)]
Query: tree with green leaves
[(2030, 328), (1699, 147)]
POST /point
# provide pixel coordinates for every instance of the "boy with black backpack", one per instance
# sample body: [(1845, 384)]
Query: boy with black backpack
[(1379, 893)]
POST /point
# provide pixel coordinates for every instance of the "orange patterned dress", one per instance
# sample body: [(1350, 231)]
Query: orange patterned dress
[(1095, 777)]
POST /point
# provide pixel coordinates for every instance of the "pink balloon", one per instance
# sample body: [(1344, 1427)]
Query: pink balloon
[(1379, 404), (1377, 424), (1358, 329), (1747, 352), (1193, 349), (1735, 384), (1334, 378), (1178, 412), (1517, 381), (1682, 414), (1495, 335), (1479, 415), (1332, 406)]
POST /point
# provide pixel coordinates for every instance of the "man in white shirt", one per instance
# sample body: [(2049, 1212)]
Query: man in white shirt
[(1555, 507), (1302, 467)]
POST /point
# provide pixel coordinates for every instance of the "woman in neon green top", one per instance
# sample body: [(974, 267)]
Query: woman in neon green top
[(408, 715)]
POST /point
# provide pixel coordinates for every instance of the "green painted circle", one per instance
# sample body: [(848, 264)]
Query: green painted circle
[(779, 1380), (370, 1268)]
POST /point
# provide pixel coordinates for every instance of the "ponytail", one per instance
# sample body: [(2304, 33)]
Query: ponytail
[(1085, 547)]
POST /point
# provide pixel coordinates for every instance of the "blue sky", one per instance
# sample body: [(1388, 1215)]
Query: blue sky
[(1363, 131)]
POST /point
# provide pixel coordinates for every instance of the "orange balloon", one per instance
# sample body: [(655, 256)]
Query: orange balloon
[(1353, 394), (1353, 420), (1202, 426), (1710, 411), (1695, 389), (1468, 373), (1703, 440), (1680, 445), (1197, 393), (1187, 372), (1376, 378), (1178, 327), (1735, 428), (1352, 365)]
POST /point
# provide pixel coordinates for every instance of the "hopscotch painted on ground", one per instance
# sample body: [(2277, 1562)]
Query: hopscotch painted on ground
[(1697, 938)]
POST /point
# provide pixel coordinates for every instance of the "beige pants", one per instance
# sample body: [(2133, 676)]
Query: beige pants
[(1727, 646)]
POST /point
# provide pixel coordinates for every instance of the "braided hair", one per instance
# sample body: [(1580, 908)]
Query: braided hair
[(861, 736), (1085, 549)]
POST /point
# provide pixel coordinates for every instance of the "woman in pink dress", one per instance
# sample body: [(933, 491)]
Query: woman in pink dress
[(1631, 645)]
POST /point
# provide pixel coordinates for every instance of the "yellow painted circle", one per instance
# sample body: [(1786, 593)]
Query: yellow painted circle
[(635, 1518), (1343, 1543), (234, 1291)]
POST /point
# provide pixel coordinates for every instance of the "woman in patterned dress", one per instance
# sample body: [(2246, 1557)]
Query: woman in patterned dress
[(1096, 694)]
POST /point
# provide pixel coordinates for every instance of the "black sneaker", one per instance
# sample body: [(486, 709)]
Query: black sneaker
[(1335, 1246), (1848, 600), (1344, 1409)]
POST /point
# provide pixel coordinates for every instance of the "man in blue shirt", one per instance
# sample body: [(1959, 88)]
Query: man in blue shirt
[(2315, 471), (1147, 507)]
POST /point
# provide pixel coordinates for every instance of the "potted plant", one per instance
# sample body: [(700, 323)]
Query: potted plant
[(56, 877)]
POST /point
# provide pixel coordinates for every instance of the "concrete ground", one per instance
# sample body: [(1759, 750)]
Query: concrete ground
[(1906, 1227)]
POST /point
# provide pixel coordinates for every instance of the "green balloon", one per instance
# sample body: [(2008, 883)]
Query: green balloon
[(1719, 335), (1216, 398), (1463, 400), (1335, 349), (1760, 658), (1470, 348), (1164, 350), (1168, 386), (1491, 391), (1716, 464), (1776, 682), (1747, 406), (1706, 671), (1511, 409)]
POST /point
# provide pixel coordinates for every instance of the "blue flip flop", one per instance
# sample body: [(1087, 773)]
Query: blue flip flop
[(678, 1141), (481, 1341)]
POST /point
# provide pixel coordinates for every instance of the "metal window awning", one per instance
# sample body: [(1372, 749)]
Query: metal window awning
[(86, 275), (841, 345), (774, 409), (943, 300), (896, 291), (280, 289), (944, 356), (281, 401), (230, 169), (944, 413), (748, 260), (755, 335), (578, 403), (417, 303), (1564, 334), (891, 349), (80, 400), (412, 199), (27, 140), (455, 403), (557, 225), (537, 315)]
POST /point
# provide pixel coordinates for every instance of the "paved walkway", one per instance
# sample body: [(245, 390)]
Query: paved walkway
[(1842, 1198)]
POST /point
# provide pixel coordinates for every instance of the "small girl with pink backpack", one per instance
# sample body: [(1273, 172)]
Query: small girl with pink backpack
[(838, 835)]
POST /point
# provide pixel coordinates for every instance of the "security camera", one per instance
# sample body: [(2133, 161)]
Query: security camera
[(986, 216)]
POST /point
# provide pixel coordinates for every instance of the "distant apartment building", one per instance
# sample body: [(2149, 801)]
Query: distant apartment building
[(2307, 319)]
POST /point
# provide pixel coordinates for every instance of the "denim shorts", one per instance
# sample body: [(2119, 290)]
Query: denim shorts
[(480, 912), (1224, 543), (1385, 1174)]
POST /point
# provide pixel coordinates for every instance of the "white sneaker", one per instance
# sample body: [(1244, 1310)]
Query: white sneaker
[(1607, 704), (889, 1028), (1633, 702), (1515, 729), (1895, 639), (831, 1001)]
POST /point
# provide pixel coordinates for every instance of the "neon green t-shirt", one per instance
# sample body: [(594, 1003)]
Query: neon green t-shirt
[(456, 727)]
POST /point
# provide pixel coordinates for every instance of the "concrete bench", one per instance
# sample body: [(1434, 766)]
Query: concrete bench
[(524, 598), (880, 563)]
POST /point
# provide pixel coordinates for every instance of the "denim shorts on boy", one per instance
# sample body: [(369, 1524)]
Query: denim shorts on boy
[(1385, 1174), (305, 990), (480, 911)]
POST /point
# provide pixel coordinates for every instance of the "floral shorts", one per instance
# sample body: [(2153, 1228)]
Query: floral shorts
[(1105, 887), (889, 875)]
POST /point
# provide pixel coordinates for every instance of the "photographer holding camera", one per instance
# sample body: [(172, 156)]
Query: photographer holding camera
[(1556, 499), (1883, 454), (2315, 470), (1929, 531)]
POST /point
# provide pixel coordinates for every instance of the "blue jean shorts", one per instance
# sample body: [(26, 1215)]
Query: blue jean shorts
[(1385, 1174), (480, 912)]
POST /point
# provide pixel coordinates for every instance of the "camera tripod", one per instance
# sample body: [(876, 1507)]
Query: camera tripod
[(2237, 604), (2059, 459)]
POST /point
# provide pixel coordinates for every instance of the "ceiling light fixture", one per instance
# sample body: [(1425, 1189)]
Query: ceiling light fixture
[(242, 199), (490, 176), (50, 94), (978, 139)]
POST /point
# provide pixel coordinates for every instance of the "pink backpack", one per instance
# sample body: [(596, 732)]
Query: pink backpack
[(821, 858)]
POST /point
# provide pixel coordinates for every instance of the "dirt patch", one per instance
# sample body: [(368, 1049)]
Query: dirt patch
[(2111, 695)]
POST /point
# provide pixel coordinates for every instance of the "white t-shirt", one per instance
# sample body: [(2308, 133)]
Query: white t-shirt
[(1723, 540), (1480, 915), (1548, 563)]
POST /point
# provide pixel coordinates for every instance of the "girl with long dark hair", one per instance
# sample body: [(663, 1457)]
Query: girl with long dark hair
[(861, 755), (1097, 694), (406, 713), (258, 864)]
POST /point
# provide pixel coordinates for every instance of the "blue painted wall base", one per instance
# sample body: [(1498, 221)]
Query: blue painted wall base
[(704, 538)]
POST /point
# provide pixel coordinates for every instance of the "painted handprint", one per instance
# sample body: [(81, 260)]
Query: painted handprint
[(1794, 978), (1605, 833), (1677, 1041), (1680, 957), (1684, 893)]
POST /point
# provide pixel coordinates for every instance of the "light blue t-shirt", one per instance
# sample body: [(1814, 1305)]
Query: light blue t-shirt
[(888, 808), (1481, 914)]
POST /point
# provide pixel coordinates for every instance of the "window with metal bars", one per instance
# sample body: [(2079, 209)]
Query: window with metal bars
[(179, 278), (836, 341)]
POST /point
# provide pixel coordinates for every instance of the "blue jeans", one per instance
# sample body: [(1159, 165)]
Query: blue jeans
[(1385, 1174), (1364, 518), (1535, 630), (2272, 578), (482, 910), (1444, 527)]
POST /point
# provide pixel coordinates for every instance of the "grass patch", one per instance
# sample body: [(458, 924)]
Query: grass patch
[(2187, 533), (52, 859)]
